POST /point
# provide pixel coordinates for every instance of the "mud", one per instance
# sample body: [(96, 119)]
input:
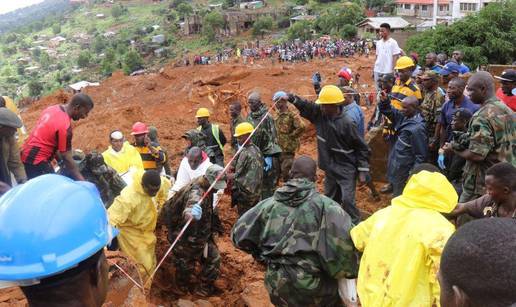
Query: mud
[(168, 100)]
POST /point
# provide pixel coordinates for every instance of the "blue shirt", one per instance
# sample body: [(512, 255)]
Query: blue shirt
[(436, 68), (354, 112), (463, 69), (449, 108)]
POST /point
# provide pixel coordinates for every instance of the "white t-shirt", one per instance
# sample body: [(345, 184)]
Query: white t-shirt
[(185, 174), (384, 52)]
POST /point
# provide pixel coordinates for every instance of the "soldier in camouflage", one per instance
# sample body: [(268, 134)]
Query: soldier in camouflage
[(492, 136), (289, 129), (247, 178), (266, 139), (235, 112), (431, 111), (197, 244), (303, 238), (194, 138)]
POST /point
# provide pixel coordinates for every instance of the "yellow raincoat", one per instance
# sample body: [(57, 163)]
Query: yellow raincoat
[(402, 245), (21, 133), (126, 158), (135, 214)]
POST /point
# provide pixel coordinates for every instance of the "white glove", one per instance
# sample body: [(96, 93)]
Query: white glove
[(348, 292)]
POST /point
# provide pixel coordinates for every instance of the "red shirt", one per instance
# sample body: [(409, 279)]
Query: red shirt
[(52, 133), (510, 101)]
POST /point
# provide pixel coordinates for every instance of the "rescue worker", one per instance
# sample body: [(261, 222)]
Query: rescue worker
[(196, 138), (215, 139), (289, 128), (303, 238), (477, 265), (235, 112), (507, 92), (195, 201), (10, 154), (401, 244), (342, 152), (21, 133), (151, 153), (53, 134), (68, 267), (431, 62), (121, 155), (135, 213), (247, 177), (431, 111), (165, 166), (405, 85), (193, 165), (492, 136), (266, 138), (411, 146), (450, 71)]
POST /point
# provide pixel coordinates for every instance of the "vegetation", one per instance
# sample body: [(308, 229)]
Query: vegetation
[(486, 37), (300, 30), (212, 22), (262, 26)]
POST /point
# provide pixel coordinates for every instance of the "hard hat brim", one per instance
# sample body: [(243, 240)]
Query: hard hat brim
[(318, 101), (140, 133)]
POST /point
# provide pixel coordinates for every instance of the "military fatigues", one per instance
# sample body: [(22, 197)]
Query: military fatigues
[(196, 244), (303, 238), (247, 184), (289, 129), (232, 125), (492, 135), (215, 141), (431, 112), (266, 138), (453, 172)]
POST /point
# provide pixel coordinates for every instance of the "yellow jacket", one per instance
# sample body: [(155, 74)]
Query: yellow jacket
[(402, 245), (124, 159), (21, 133), (135, 214)]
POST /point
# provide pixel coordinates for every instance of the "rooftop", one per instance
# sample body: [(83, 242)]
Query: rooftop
[(394, 22)]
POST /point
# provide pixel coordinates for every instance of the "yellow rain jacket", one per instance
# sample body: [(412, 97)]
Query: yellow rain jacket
[(135, 214), (126, 158), (21, 133), (402, 245)]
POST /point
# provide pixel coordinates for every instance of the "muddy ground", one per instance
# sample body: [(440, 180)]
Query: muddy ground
[(168, 100)]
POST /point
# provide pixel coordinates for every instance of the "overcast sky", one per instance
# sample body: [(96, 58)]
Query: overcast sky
[(11, 5)]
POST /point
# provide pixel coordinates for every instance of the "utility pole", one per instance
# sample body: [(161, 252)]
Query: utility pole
[(434, 14)]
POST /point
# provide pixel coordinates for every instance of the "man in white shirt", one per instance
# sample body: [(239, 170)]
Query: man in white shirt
[(387, 52), (193, 165)]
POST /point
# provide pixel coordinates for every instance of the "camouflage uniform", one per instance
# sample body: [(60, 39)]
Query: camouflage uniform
[(492, 135), (196, 244), (431, 111), (232, 125), (266, 139), (289, 129), (303, 238), (247, 184)]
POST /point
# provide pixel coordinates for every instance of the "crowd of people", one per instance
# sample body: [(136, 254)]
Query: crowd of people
[(451, 158)]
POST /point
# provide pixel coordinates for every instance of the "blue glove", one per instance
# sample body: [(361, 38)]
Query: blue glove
[(196, 212), (279, 95), (440, 161), (268, 164), (316, 79)]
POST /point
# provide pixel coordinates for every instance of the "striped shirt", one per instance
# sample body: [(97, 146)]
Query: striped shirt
[(150, 160), (401, 91)]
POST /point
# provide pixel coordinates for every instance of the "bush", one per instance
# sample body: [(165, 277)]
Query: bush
[(35, 88), (98, 44), (184, 10), (332, 21), (117, 11), (212, 22), (132, 62), (486, 37), (300, 30), (56, 29), (84, 59), (283, 22), (348, 32), (262, 25)]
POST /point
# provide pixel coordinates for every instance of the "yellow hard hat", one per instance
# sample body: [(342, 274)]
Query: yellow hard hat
[(404, 62), (330, 94), (243, 128), (202, 112)]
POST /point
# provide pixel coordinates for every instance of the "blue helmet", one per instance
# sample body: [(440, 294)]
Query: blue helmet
[(279, 95), (48, 225)]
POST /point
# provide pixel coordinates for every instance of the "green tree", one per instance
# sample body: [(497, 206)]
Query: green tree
[(56, 29), (331, 21), (98, 44), (44, 60), (36, 52), (348, 31), (212, 22), (117, 11), (228, 3), (132, 61), (300, 30), (184, 10), (262, 25), (84, 59), (35, 88), (486, 37), (11, 37)]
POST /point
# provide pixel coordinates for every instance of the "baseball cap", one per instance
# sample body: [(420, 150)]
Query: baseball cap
[(463, 113), (211, 174), (508, 75), (9, 118), (449, 68), (116, 135), (430, 74)]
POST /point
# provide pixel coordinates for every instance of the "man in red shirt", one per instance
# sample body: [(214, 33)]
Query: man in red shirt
[(506, 93), (53, 135)]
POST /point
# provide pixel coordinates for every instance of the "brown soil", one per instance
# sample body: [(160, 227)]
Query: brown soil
[(168, 100)]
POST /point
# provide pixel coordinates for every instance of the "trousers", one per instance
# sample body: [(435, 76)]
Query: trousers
[(342, 191)]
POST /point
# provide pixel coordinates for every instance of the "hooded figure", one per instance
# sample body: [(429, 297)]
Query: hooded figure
[(402, 244), (135, 213)]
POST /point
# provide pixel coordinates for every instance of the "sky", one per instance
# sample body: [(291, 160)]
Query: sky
[(11, 5)]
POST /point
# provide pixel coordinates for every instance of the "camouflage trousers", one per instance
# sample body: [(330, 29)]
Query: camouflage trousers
[(270, 178), (286, 160), (188, 254), (289, 286), (243, 201)]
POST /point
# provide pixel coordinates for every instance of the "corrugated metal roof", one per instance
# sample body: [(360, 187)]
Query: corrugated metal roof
[(394, 22), (425, 2)]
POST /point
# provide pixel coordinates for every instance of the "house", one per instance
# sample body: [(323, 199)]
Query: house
[(302, 17), (56, 41), (32, 69), (251, 5), (100, 16), (300, 9), (372, 24), (158, 39), (216, 6), (79, 86), (109, 34), (446, 8)]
